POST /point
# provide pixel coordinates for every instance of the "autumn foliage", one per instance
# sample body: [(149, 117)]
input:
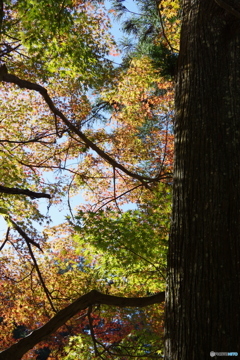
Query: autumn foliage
[(74, 127)]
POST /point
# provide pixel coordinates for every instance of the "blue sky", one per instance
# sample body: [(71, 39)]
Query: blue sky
[(58, 213)]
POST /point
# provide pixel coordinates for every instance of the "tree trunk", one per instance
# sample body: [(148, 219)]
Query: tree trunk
[(203, 293)]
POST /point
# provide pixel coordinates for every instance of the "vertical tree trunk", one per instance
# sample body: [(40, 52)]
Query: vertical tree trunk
[(203, 294)]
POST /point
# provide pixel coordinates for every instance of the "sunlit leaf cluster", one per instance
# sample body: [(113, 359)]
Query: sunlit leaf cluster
[(106, 137)]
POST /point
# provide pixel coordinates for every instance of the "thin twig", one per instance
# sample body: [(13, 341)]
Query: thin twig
[(140, 256), (40, 277), (92, 330), (114, 189), (6, 238), (36, 139), (68, 197), (117, 197), (163, 29)]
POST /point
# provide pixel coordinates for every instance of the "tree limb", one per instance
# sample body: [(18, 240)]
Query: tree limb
[(228, 8), (22, 233), (18, 191), (36, 139), (48, 295), (16, 351), (10, 78)]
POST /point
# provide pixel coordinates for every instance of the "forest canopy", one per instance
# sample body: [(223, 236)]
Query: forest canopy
[(86, 177)]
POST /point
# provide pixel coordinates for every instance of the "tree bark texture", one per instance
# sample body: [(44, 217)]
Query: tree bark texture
[(203, 292)]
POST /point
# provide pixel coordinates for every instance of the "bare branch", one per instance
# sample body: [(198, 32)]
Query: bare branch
[(68, 197), (18, 191), (16, 351), (30, 242), (36, 139), (40, 277), (114, 189), (6, 238), (117, 197)]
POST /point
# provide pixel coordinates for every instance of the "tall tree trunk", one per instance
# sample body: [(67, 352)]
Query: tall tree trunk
[(203, 293)]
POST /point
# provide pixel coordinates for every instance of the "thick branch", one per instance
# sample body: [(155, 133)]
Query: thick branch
[(224, 5), (16, 351), (17, 191), (10, 78)]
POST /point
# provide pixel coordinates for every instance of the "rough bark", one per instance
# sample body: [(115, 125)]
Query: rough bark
[(16, 351), (203, 293)]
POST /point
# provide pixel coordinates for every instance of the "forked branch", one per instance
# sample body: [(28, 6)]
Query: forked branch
[(10, 78), (16, 351)]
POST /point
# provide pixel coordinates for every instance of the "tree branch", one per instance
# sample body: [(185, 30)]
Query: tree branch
[(36, 139), (16, 351), (17, 191), (22, 233), (6, 238), (48, 295), (90, 321), (10, 78), (228, 8), (163, 29)]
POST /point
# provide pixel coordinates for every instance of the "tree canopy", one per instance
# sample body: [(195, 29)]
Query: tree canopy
[(74, 124)]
